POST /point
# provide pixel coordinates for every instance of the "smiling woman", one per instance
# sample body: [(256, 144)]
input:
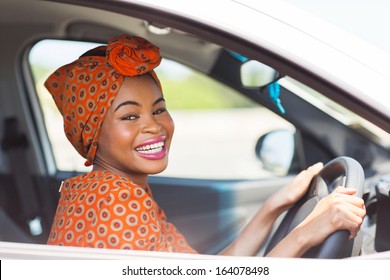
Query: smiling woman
[(115, 117), (136, 134)]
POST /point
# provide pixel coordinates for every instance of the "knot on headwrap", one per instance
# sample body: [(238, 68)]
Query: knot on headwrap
[(132, 56), (85, 89)]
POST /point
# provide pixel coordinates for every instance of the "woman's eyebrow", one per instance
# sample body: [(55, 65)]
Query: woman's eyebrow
[(161, 99), (129, 102)]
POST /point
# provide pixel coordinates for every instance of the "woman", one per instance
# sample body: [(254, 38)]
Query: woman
[(116, 117)]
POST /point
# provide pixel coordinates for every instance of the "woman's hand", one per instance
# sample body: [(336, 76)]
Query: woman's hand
[(338, 211), (286, 197), (257, 230)]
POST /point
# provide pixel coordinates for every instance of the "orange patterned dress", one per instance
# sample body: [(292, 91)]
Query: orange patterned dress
[(104, 210)]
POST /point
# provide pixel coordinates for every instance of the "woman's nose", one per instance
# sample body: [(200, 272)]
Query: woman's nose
[(151, 125)]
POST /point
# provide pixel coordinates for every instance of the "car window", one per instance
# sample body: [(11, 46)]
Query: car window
[(332, 108), (216, 128)]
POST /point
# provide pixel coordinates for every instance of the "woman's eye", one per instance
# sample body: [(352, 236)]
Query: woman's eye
[(130, 118), (159, 111)]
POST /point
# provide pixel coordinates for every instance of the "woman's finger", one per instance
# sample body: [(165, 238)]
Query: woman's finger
[(343, 190)]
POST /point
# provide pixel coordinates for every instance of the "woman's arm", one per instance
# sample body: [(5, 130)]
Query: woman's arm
[(254, 234)]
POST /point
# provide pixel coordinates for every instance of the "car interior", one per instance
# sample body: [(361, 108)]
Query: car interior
[(210, 210)]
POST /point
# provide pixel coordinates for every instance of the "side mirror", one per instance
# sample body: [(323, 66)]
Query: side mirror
[(255, 74), (276, 151)]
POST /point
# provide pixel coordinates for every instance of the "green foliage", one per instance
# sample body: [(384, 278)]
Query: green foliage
[(200, 92)]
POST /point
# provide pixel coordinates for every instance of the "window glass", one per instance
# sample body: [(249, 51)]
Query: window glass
[(337, 111), (216, 128), (44, 58)]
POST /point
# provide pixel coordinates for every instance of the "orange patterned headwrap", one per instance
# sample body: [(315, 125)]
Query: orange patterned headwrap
[(85, 89)]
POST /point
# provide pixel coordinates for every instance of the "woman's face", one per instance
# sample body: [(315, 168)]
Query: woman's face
[(137, 131)]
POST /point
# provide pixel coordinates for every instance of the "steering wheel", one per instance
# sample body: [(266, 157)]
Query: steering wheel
[(343, 171)]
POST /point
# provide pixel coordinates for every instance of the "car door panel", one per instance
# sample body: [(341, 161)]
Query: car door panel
[(211, 213)]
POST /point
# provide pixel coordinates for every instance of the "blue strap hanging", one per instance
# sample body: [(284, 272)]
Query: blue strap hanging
[(274, 93), (273, 88), (239, 57)]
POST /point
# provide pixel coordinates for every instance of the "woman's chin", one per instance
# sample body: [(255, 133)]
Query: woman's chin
[(155, 171), (155, 167)]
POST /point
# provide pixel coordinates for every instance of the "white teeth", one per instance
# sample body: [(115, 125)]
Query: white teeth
[(150, 149)]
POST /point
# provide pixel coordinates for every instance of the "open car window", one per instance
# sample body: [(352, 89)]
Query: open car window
[(216, 130)]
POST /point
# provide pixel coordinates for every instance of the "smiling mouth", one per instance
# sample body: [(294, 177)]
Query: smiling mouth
[(151, 148)]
